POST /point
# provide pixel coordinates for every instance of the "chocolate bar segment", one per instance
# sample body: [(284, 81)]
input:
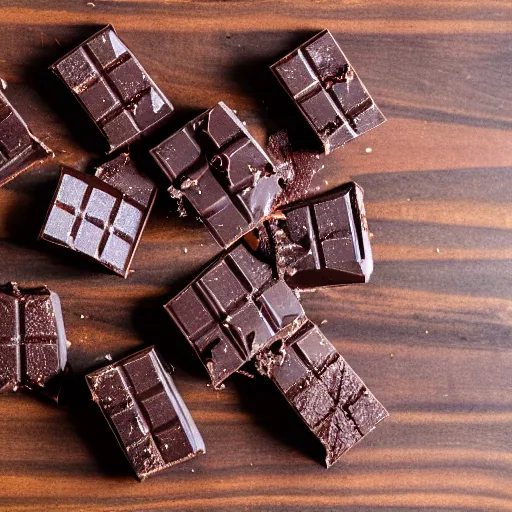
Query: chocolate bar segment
[(221, 170), (233, 310), (19, 149), (323, 389), (101, 216), (113, 87), (323, 241), (33, 350), (327, 90), (146, 413)]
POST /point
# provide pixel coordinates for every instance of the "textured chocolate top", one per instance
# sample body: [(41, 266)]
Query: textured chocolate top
[(327, 90), (323, 389), (221, 170), (33, 351), (146, 413), (233, 310), (19, 149), (90, 216), (114, 88), (323, 241)]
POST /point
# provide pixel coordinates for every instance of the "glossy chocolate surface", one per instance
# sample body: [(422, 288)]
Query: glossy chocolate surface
[(101, 216), (233, 310), (146, 413), (323, 241), (33, 350), (19, 149), (327, 90), (114, 88), (221, 170), (323, 389)]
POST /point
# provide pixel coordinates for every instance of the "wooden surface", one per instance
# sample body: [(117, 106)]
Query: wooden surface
[(430, 334)]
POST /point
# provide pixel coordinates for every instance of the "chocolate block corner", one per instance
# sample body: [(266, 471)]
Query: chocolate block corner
[(146, 413), (221, 170), (19, 148), (112, 86), (101, 216), (323, 390), (33, 350), (325, 87), (233, 310)]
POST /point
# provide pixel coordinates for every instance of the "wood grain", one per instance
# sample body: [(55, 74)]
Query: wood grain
[(431, 334)]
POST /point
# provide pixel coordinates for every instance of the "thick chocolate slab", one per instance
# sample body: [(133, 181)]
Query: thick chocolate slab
[(146, 413), (114, 89), (328, 92), (233, 310), (216, 164), (323, 389), (101, 216), (19, 148), (33, 350), (323, 241)]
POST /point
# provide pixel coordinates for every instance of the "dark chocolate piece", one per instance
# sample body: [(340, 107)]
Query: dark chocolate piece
[(113, 87), (19, 149), (33, 351), (105, 222), (327, 90), (323, 241), (233, 310), (323, 389), (146, 413), (221, 170)]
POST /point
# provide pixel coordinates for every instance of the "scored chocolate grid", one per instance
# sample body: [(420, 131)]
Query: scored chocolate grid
[(221, 319), (102, 73), (317, 87), (349, 392), (139, 410), (20, 339), (316, 240), (213, 156), (107, 226)]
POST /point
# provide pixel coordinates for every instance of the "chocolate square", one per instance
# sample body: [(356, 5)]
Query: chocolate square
[(113, 87), (327, 90), (233, 310), (216, 164), (153, 427)]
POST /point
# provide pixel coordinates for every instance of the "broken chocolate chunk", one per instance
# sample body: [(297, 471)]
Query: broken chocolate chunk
[(146, 413), (114, 89), (220, 169), (233, 310), (322, 241), (101, 216), (328, 92), (33, 351), (323, 389)]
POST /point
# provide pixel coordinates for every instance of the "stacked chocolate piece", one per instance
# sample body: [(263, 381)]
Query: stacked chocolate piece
[(244, 308)]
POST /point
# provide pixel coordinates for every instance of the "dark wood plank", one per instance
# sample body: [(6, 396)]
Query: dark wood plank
[(430, 334)]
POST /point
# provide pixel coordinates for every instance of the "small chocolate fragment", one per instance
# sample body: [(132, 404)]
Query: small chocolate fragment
[(233, 310), (327, 90), (19, 149), (33, 350), (323, 241), (216, 164), (323, 389), (297, 165), (101, 216), (146, 413), (113, 87)]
